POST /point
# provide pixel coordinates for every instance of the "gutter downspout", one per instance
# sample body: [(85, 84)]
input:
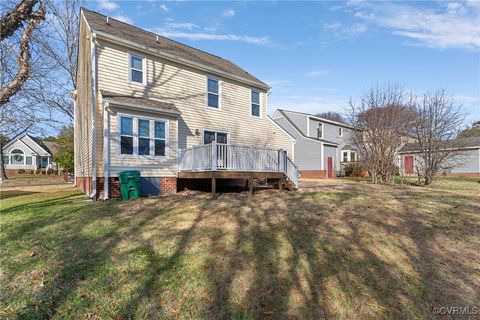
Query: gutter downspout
[(106, 150), (93, 48)]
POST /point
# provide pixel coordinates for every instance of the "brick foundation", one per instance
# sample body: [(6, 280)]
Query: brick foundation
[(113, 187), (168, 185), (316, 174), (84, 184)]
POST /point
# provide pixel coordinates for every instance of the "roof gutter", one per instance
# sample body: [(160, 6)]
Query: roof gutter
[(175, 58), (93, 48)]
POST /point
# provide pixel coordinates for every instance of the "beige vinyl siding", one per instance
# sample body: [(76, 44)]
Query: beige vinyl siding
[(149, 167), (83, 115), (186, 88)]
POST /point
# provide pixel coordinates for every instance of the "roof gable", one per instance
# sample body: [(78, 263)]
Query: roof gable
[(120, 30)]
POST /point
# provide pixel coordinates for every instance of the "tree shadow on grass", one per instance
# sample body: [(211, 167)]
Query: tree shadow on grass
[(7, 194)]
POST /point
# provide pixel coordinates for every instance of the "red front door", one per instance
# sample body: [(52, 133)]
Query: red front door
[(330, 167), (408, 164)]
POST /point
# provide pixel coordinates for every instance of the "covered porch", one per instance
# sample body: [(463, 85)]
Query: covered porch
[(228, 161)]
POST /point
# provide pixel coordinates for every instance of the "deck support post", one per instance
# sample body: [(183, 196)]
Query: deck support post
[(214, 187), (250, 186), (281, 183)]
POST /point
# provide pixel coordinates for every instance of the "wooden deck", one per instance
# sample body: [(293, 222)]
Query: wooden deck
[(225, 161)]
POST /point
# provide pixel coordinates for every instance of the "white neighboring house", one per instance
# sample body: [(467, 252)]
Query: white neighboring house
[(28, 153)]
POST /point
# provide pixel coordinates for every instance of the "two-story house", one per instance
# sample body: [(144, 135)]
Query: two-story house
[(323, 146), (152, 104)]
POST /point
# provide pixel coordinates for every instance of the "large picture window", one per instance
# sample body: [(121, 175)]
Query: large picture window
[(17, 156), (255, 103), (143, 137), (213, 93)]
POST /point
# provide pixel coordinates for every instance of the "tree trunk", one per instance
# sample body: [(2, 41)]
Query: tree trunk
[(3, 174)]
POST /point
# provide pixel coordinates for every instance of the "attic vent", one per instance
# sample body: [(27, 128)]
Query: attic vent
[(108, 22), (156, 39)]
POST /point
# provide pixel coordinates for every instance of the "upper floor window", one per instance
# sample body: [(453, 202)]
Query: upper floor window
[(144, 137), (255, 103), (213, 93), (137, 69), (320, 131), (340, 132)]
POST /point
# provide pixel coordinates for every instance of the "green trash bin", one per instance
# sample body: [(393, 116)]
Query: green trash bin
[(129, 184)]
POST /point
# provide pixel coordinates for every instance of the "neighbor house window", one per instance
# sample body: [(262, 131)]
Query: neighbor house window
[(213, 93), (340, 132), (255, 103), (320, 131), (28, 160), (126, 135), (353, 156), (160, 138), (17, 156), (6, 160), (345, 156), (137, 69), (143, 137)]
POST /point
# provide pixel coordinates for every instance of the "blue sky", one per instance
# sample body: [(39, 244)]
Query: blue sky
[(316, 55)]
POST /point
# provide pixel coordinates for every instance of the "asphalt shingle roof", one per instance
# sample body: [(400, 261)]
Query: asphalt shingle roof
[(98, 22), (151, 103)]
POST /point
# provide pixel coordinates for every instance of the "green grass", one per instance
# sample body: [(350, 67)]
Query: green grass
[(354, 251)]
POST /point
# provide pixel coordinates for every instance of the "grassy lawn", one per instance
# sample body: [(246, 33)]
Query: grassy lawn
[(26, 178), (347, 250)]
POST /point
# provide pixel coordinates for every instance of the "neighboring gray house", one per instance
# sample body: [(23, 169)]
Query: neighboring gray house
[(465, 164), (323, 146), (28, 153)]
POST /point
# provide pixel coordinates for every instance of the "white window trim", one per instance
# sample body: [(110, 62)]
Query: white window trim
[(144, 68), (318, 125), (219, 93), (259, 103), (216, 131), (349, 155), (10, 155), (135, 154)]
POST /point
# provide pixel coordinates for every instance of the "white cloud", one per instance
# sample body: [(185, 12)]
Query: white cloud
[(180, 25), (309, 104), (229, 13), (191, 31), (107, 5), (164, 8), (455, 25), (123, 18), (317, 73), (341, 30), (213, 36)]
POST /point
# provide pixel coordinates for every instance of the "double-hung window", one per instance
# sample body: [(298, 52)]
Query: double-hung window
[(143, 137), (345, 156), (137, 69), (126, 135), (255, 103), (160, 138), (213, 93), (320, 131), (28, 160), (353, 156), (340, 132)]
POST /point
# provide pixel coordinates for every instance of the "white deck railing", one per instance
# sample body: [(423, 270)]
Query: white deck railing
[(231, 157)]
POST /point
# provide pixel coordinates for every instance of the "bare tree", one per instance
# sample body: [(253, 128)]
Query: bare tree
[(12, 21), (330, 115), (383, 118), (437, 125)]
